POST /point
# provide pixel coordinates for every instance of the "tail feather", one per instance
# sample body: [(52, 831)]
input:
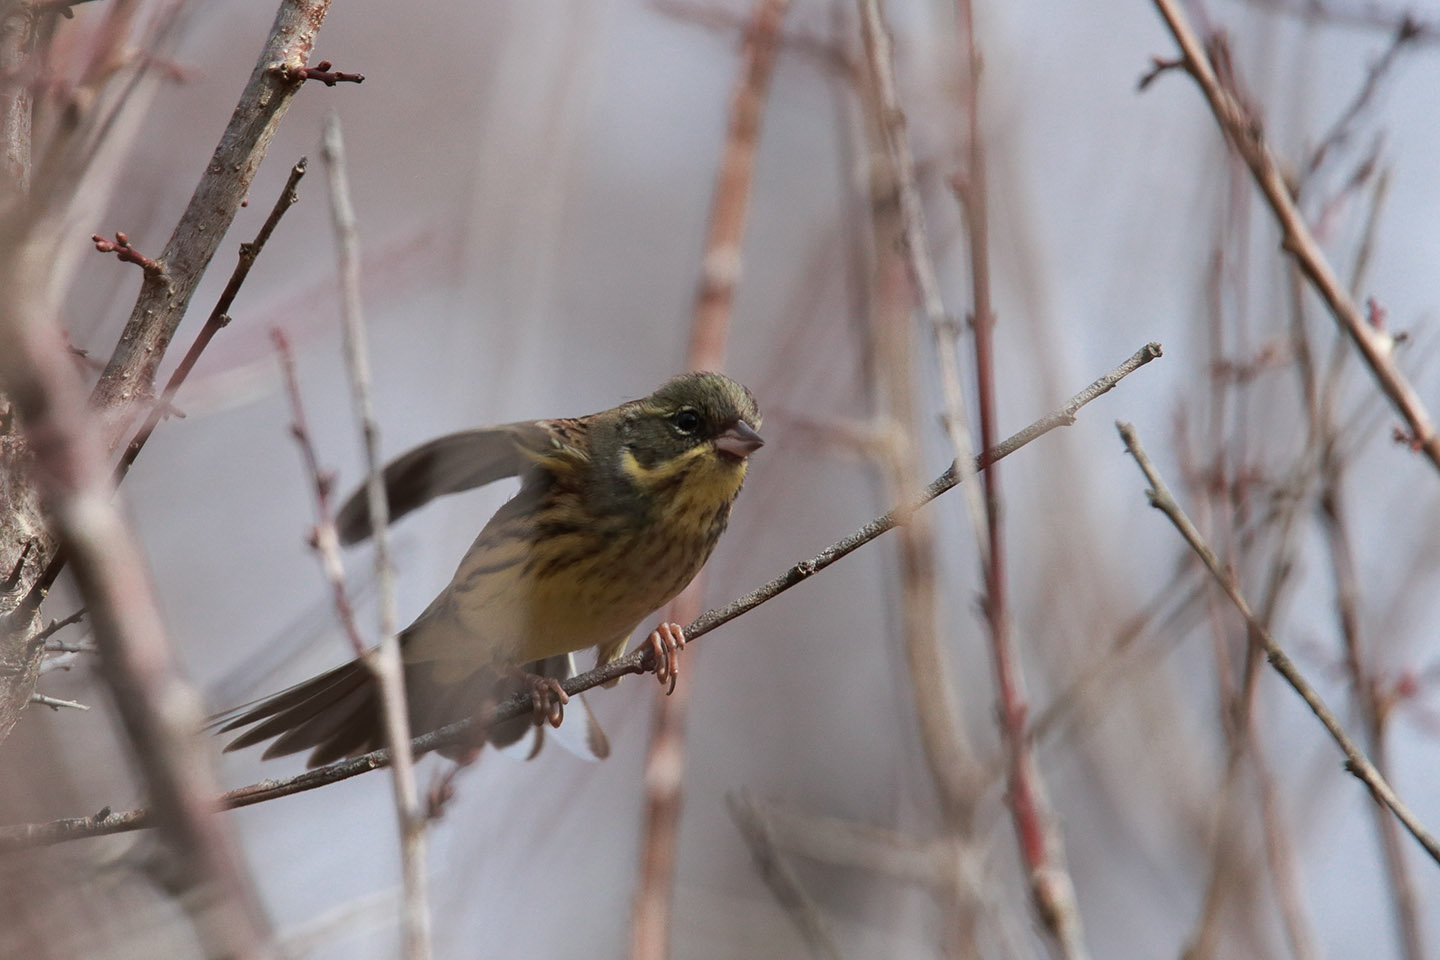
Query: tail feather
[(355, 709), (337, 714), (286, 699), (319, 698), (361, 735)]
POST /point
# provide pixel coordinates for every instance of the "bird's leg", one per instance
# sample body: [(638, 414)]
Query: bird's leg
[(666, 642), (549, 698)]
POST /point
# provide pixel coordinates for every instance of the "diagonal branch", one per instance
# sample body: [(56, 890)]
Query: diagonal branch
[(1355, 760), (637, 661), (165, 297), (1245, 134)]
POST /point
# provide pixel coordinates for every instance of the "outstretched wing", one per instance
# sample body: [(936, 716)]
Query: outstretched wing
[(452, 463)]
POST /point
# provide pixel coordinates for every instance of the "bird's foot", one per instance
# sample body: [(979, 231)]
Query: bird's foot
[(666, 642), (549, 699)]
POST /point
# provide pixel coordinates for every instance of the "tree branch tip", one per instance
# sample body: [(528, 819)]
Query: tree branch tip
[(18, 570), (120, 246), (1158, 67), (321, 71)]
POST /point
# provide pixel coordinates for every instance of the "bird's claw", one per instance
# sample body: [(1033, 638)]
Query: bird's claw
[(549, 699), (666, 642)]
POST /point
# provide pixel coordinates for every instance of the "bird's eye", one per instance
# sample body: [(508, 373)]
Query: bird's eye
[(686, 420)]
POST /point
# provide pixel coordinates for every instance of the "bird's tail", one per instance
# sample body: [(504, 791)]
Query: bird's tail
[(337, 714)]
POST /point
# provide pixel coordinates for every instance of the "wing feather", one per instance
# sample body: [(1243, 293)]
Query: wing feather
[(461, 461)]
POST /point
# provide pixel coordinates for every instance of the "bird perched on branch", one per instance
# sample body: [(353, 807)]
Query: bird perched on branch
[(617, 511)]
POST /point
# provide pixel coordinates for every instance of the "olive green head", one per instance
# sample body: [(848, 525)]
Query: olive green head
[(690, 412)]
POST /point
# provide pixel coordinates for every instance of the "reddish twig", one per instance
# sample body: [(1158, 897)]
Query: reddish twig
[(636, 662), (1356, 761), (709, 333), (1406, 33), (1243, 130), (219, 318), (321, 72), (222, 187), (1038, 832), (120, 246)]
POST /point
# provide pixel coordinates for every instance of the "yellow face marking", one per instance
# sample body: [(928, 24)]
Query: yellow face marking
[(712, 479)]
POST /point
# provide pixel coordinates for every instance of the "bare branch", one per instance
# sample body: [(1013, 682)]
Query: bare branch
[(709, 335), (1356, 761), (780, 877), (120, 246), (55, 704), (918, 258), (1037, 830), (637, 661), (1405, 36), (165, 297), (160, 713), (219, 318), (1243, 130), (383, 662)]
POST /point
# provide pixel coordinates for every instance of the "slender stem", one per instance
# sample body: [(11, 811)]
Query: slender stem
[(637, 661), (383, 662), (918, 258), (1355, 760), (709, 333), (223, 186), (1036, 828), (1246, 135)]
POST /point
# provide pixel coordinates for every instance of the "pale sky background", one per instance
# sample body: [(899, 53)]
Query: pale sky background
[(532, 181)]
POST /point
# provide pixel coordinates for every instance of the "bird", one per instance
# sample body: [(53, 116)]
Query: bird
[(616, 513)]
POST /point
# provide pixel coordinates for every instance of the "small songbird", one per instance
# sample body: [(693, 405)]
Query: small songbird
[(617, 511)]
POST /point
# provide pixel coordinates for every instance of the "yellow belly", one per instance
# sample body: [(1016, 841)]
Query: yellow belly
[(509, 604)]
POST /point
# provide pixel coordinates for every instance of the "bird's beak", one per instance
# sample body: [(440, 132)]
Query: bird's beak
[(739, 441)]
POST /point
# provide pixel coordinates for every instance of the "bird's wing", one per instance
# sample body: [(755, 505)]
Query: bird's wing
[(456, 462)]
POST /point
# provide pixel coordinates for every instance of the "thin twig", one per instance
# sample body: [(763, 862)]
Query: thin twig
[(945, 742), (918, 258), (781, 879), (1363, 685), (1037, 831), (219, 318), (635, 662), (826, 52), (383, 662), (1368, 16), (55, 703), (1405, 35), (709, 335), (55, 626), (1243, 130), (1356, 761), (159, 711), (165, 297)]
